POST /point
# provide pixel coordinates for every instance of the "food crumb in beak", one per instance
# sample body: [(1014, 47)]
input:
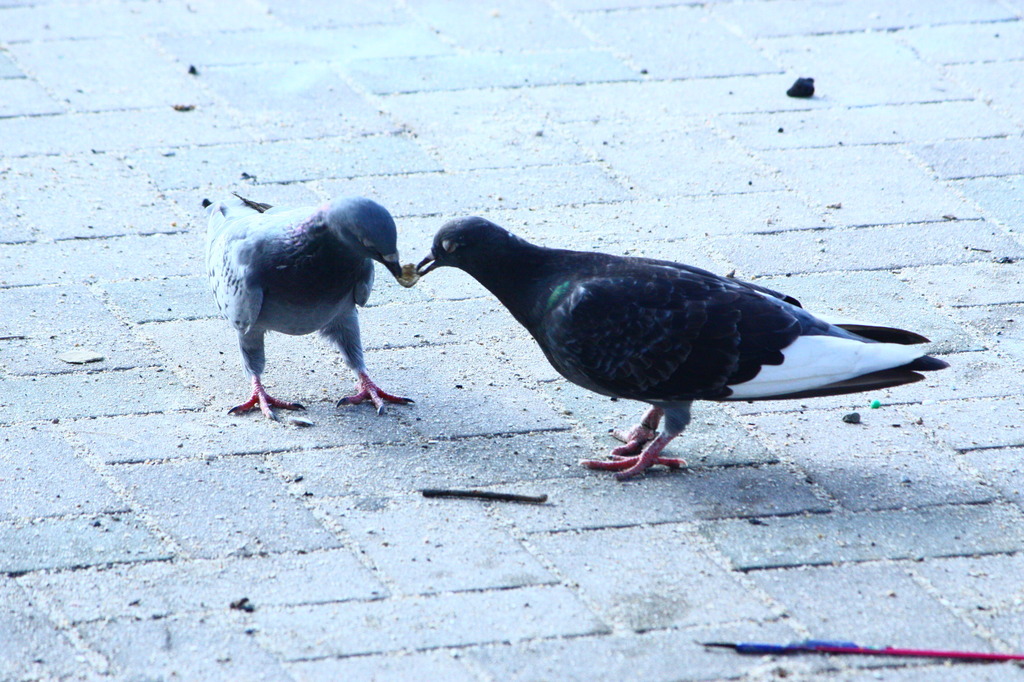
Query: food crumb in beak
[(409, 276)]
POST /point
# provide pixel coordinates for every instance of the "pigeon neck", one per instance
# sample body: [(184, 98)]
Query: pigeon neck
[(514, 275)]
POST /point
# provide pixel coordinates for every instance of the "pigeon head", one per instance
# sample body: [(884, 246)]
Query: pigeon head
[(465, 241), (366, 228)]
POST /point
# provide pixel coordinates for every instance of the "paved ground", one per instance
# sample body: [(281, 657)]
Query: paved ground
[(145, 534)]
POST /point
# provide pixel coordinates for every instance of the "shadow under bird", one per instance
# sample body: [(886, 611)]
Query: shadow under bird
[(667, 334), (297, 271)]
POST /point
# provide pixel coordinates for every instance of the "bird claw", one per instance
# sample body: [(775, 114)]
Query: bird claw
[(367, 390), (261, 399), (629, 466)]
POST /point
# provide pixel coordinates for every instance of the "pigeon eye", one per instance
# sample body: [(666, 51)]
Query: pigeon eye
[(448, 245)]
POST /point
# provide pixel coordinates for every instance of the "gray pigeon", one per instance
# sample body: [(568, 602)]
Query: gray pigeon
[(297, 271), (668, 334)]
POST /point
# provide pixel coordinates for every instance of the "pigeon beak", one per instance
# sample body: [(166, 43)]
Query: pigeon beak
[(390, 261), (426, 265)]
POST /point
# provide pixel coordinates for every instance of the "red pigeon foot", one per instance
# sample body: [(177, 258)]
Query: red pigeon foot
[(265, 401), (631, 466), (366, 389)]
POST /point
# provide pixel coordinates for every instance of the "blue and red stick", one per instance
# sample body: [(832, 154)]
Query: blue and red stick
[(830, 647)]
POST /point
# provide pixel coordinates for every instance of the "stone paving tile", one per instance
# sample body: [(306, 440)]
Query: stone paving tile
[(23, 97), (999, 323), (1000, 197), (424, 622), (874, 464), (305, 100), (801, 17), (483, 129), (43, 477), (487, 70), (829, 538), (8, 68), (415, 464), (110, 131), (288, 46), (969, 284), (870, 248), (103, 74), (438, 322), (52, 543), (849, 177), (672, 100), (492, 399), (677, 162), (599, 501), (640, 222), (420, 544), (67, 197), (432, 665), (999, 82), (156, 590), (984, 423), (223, 508), (311, 13), (452, 194), (286, 161), (716, 51), (91, 395), (973, 42), (55, 320), (873, 605), (163, 300), (191, 647), (853, 68), (32, 648), (156, 437), (90, 260), (639, 586), (12, 231), (986, 589), (666, 656), (518, 25), (867, 125), (959, 159), (1001, 468), (963, 672), (92, 20)]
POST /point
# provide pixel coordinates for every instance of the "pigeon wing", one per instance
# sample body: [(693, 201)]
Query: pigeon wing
[(364, 284), (230, 249), (665, 336)]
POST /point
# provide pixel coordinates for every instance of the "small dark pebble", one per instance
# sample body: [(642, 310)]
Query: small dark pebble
[(803, 87), (1006, 260), (243, 604), (183, 107), (756, 522), (852, 418), (192, 70), (206, 202)]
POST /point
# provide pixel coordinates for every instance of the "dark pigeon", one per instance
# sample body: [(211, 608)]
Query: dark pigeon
[(297, 271), (668, 334)]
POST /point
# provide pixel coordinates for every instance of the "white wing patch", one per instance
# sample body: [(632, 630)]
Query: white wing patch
[(814, 361)]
